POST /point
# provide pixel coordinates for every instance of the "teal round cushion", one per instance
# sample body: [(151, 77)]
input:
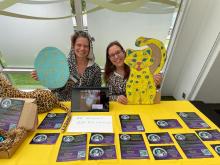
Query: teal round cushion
[(52, 67)]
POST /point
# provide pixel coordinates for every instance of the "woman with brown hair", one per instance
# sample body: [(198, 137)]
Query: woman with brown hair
[(84, 72), (117, 72)]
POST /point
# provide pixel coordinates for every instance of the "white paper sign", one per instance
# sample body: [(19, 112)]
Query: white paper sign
[(90, 124)]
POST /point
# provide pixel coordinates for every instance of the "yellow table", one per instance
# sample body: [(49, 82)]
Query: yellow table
[(30, 154)]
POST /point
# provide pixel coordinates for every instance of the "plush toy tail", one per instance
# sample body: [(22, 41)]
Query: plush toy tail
[(66, 123)]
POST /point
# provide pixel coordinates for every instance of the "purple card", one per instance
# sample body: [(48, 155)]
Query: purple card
[(133, 147), (10, 111), (45, 138), (168, 123), (216, 147), (52, 121), (192, 146), (102, 152), (209, 135), (165, 152), (73, 147), (192, 120), (159, 138), (131, 123), (102, 138)]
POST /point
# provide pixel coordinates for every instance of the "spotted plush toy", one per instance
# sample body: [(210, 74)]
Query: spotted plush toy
[(140, 87), (44, 99), (9, 139)]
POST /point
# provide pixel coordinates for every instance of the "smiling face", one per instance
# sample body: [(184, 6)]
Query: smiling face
[(81, 47), (116, 56)]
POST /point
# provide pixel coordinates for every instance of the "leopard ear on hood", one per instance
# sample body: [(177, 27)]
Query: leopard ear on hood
[(91, 55)]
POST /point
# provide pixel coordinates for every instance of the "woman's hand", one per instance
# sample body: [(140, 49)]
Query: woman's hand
[(34, 75), (158, 79), (122, 99)]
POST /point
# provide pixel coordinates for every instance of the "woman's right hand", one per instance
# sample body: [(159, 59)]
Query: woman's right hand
[(34, 75), (122, 99)]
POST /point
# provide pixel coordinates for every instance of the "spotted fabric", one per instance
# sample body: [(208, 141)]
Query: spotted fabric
[(117, 86), (90, 78)]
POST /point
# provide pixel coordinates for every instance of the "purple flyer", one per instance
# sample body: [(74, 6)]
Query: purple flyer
[(10, 111), (192, 146), (192, 120), (73, 147), (45, 138), (168, 123), (133, 147), (209, 135), (102, 152), (216, 147), (165, 152), (102, 138), (52, 121), (159, 138), (131, 123)]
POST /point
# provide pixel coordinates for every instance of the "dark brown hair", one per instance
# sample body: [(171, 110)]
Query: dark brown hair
[(109, 67), (78, 34)]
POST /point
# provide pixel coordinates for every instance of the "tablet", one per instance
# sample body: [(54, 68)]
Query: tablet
[(86, 99)]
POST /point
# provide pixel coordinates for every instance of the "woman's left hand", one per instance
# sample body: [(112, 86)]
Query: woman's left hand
[(158, 79), (122, 99)]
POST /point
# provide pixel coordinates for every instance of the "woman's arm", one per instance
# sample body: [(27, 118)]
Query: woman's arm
[(113, 96)]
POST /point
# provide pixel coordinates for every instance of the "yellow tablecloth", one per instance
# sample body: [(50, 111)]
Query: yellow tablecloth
[(30, 154)]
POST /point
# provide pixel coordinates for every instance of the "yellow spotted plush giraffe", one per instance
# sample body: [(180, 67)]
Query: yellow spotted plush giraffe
[(140, 87)]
